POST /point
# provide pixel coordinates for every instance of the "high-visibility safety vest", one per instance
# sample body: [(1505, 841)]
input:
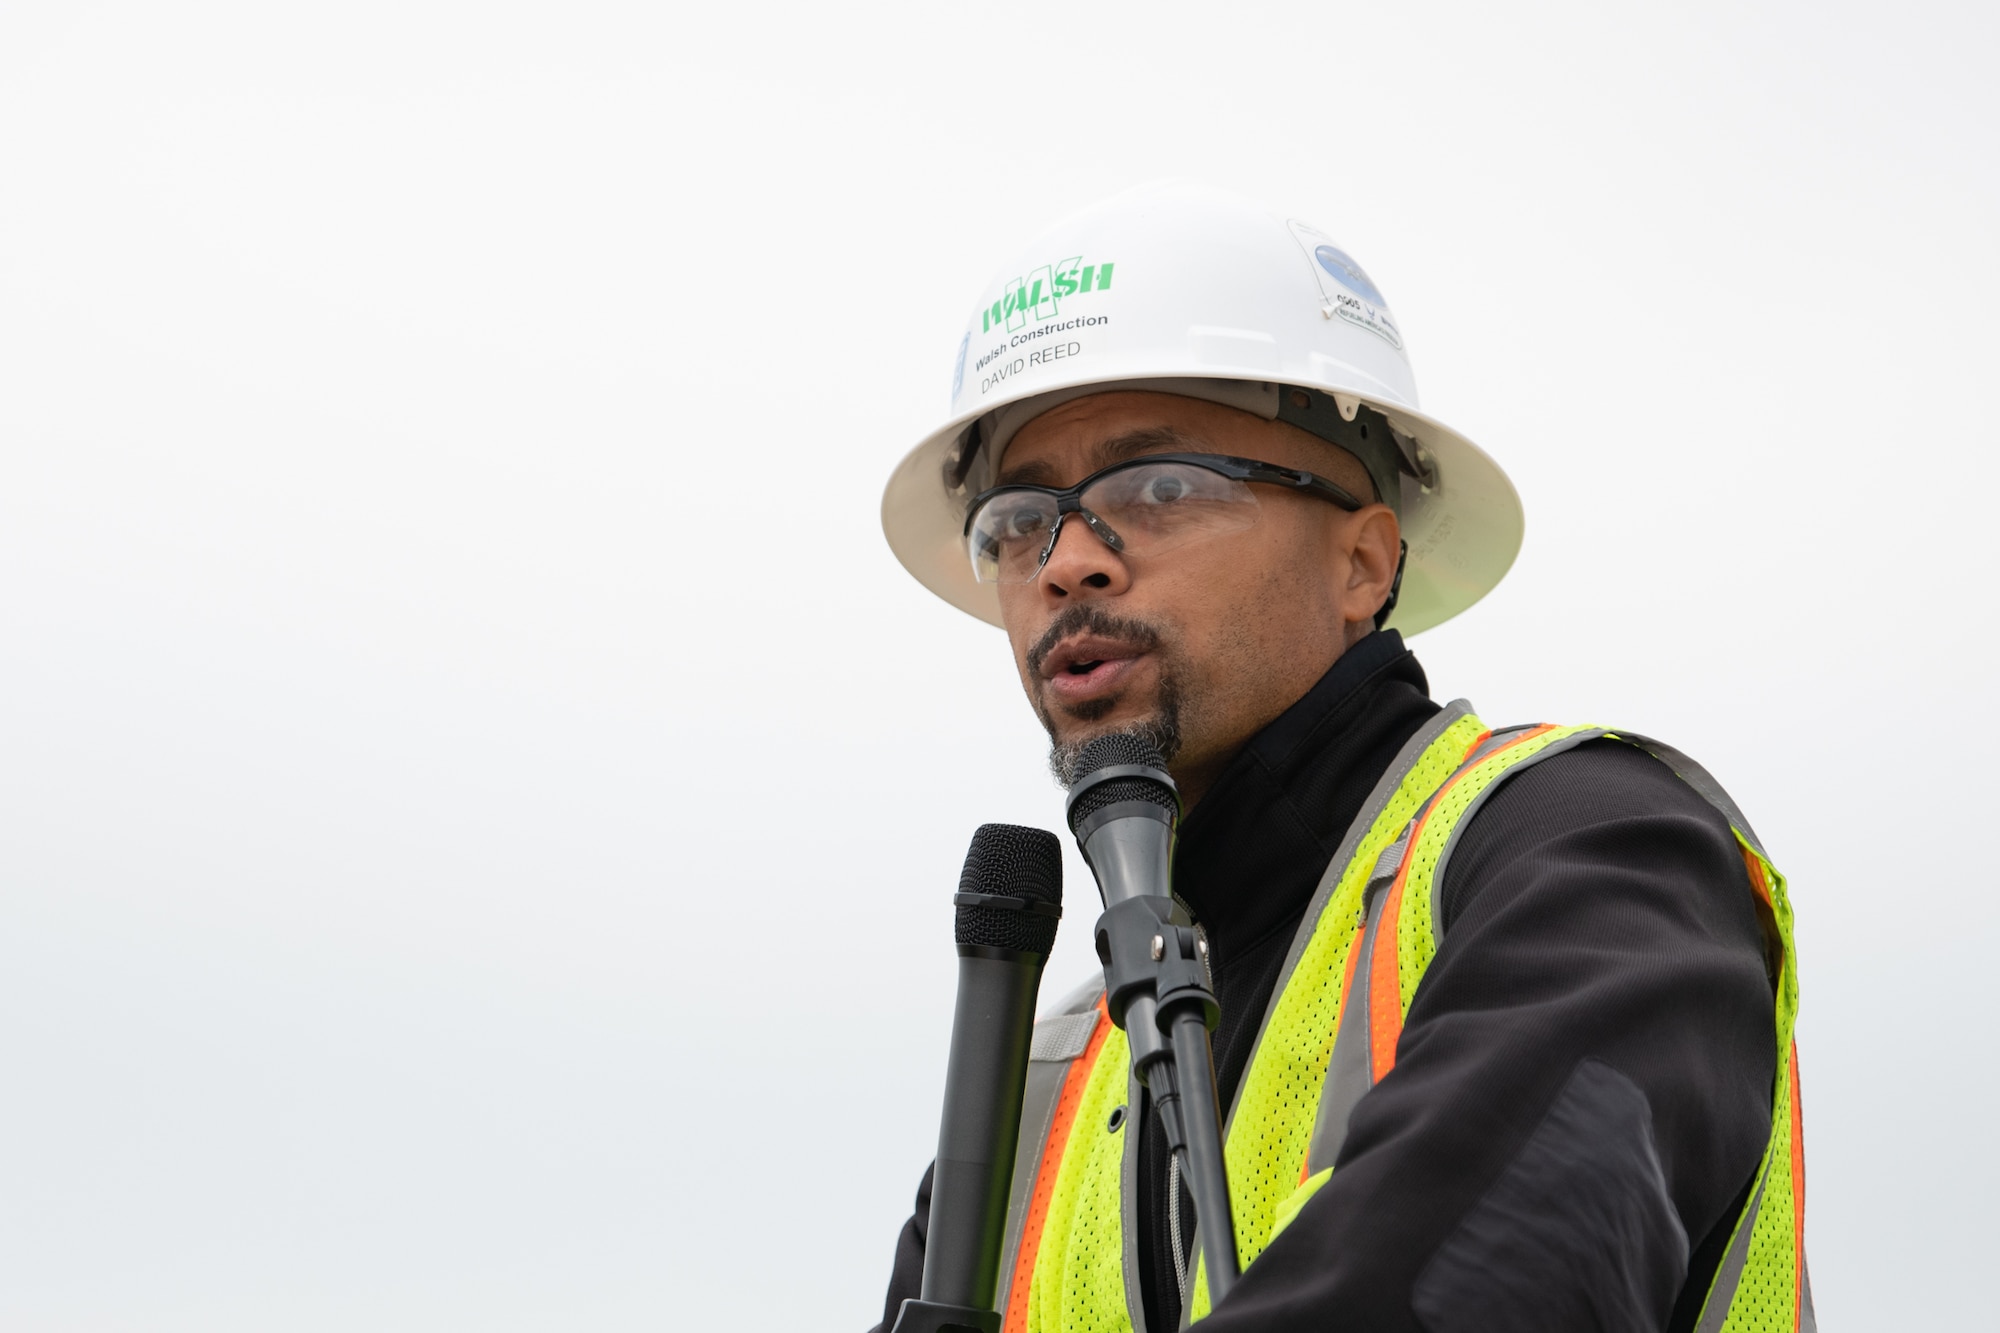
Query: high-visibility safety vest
[(1329, 1035)]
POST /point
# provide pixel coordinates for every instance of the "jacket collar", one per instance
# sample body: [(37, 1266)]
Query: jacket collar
[(1252, 852)]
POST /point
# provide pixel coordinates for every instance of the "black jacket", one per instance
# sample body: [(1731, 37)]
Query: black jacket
[(1582, 1091)]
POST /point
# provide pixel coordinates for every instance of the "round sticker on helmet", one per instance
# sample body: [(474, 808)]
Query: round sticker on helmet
[(958, 371), (1347, 273)]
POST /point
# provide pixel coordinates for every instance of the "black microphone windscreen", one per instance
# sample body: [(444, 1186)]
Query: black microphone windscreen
[(1016, 862), (1119, 749)]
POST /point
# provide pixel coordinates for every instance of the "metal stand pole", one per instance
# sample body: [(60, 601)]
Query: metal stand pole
[(1207, 1174)]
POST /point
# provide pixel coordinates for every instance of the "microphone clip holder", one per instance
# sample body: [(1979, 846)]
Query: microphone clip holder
[(1181, 982), (1148, 947)]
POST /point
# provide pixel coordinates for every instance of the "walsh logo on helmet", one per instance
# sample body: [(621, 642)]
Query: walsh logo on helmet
[(1041, 293)]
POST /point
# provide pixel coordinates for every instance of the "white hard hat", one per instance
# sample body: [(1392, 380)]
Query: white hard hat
[(1179, 288)]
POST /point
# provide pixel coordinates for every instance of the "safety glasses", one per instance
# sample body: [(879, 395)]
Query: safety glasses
[(1138, 508)]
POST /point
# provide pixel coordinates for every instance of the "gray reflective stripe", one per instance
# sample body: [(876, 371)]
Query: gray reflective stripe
[(1038, 1115), (1705, 785), (1371, 810), (1808, 1321), (1351, 1072), (1046, 1075), (1062, 1037), (1715, 1310), (1479, 799), (1388, 863)]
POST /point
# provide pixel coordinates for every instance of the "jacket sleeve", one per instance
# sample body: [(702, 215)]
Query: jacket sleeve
[(1582, 1090), (906, 1276)]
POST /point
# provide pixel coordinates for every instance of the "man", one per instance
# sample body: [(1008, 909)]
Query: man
[(1506, 1015)]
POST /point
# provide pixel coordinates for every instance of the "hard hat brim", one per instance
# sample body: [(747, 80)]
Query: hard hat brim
[(1463, 532)]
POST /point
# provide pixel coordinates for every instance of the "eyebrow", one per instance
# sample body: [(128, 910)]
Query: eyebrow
[(1116, 449)]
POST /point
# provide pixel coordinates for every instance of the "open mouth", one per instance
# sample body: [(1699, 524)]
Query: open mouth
[(1085, 659), (1087, 653), (1091, 672)]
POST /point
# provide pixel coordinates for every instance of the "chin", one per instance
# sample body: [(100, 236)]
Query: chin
[(1092, 711)]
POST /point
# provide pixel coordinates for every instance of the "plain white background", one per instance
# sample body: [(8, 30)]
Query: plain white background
[(478, 801)]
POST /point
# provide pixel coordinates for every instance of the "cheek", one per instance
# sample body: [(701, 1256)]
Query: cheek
[(1265, 589), (1279, 562), (1302, 560), (1209, 575)]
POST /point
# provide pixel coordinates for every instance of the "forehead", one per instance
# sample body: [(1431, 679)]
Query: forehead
[(1069, 442)]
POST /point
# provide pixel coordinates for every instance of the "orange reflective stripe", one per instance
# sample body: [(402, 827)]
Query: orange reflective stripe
[(1798, 1194), (1385, 987), (1767, 915), (1045, 1175), (1756, 869)]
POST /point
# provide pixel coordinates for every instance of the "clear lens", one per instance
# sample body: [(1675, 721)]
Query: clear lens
[(1155, 507), (1008, 535), (1139, 511)]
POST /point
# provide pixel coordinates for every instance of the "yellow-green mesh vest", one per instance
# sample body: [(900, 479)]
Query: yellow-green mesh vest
[(1329, 1035)]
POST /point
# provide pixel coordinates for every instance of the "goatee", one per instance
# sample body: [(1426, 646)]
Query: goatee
[(1162, 727)]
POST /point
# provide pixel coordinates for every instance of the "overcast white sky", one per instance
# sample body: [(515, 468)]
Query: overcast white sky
[(478, 800)]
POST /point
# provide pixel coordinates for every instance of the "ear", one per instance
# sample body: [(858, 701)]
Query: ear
[(1371, 541)]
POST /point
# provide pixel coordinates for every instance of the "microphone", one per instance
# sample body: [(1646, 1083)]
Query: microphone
[(1124, 811), (1009, 900)]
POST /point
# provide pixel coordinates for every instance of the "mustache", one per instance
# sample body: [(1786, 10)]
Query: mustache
[(1084, 618)]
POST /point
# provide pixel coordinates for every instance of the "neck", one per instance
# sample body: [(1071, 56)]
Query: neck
[(1195, 774), (1193, 780)]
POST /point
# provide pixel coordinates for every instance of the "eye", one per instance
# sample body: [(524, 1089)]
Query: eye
[(1025, 522), (1165, 489)]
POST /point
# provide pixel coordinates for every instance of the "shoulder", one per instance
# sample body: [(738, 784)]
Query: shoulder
[(1601, 809), (1600, 780)]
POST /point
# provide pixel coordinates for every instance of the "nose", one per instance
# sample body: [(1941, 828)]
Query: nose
[(1081, 564)]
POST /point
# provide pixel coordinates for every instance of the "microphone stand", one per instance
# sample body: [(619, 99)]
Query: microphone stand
[(1156, 988), (1123, 812)]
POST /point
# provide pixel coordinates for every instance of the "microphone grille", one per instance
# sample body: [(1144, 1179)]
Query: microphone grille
[(1118, 749), (1018, 862)]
